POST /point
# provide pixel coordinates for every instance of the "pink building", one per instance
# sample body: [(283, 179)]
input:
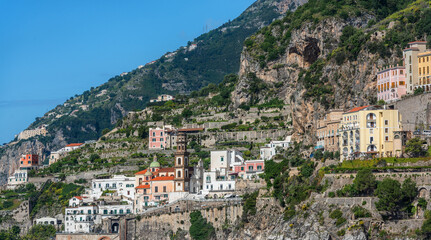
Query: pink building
[(157, 138), (249, 168), (391, 84)]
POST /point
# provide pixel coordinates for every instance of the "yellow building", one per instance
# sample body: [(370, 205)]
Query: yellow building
[(424, 65), (368, 131), (410, 55)]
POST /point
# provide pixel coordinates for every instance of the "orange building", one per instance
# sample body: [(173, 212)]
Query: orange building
[(29, 162)]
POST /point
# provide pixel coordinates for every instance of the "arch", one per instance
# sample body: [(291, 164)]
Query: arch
[(179, 161), (104, 238), (371, 148), (115, 227)]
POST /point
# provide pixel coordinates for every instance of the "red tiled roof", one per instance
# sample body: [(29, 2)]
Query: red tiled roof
[(170, 178), (412, 48), (170, 169), (417, 42), (78, 197), (141, 172), (74, 145), (143, 186), (358, 109)]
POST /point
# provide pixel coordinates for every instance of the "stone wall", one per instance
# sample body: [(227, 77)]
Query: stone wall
[(248, 186), (87, 236), (415, 111), (164, 225)]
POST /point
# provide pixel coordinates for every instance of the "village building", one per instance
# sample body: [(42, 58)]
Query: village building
[(271, 149), (156, 185), (26, 134), (29, 162), (120, 185), (17, 178), (391, 84), (72, 146), (327, 131), (424, 65), (368, 131), (410, 57)]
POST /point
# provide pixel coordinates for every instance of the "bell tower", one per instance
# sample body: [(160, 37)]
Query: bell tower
[(181, 180)]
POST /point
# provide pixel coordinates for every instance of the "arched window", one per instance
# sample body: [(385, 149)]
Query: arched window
[(179, 161), (179, 174)]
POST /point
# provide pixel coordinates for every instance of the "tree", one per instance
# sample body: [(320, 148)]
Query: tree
[(418, 91), (200, 228), (381, 102), (365, 182), (390, 196), (40, 232), (186, 113), (414, 147), (394, 198), (318, 155)]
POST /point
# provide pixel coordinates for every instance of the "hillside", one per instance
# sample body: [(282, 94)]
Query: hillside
[(326, 54), (189, 68)]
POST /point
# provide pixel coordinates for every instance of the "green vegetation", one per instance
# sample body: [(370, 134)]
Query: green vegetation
[(394, 198), (415, 147), (338, 215), (360, 212), (200, 229), (37, 232), (249, 208), (57, 195)]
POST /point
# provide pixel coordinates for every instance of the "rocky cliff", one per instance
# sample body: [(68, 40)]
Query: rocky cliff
[(326, 61)]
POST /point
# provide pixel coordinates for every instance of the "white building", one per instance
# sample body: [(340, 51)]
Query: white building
[(220, 179), (271, 149), (46, 221), (54, 157), (17, 178), (72, 146), (81, 219), (115, 209), (120, 184), (82, 216)]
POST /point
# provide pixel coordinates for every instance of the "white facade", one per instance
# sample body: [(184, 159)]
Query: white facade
[(109, 210), (54, 156), (122, 185), (81, 219), (216, 183), (224, 161), (17, 178), (46, 221), (270, 150), (75, 201)]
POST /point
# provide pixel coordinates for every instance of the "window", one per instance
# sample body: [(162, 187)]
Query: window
[(371, 139), (105, 211), (121, 211), (386, 130), (259, 167), (179, 174), (179, 161), (161, 134), (386, 138), (221, 159), (386, 122), (161, 139), (250, 168), (154, 134), (89, 211), (156, 189), (164, 188), (242, 168), (154, 139)]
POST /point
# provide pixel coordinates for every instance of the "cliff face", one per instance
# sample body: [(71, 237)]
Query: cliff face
[(308, 56)]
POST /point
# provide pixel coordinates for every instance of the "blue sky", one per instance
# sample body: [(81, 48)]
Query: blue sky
[(52, 50)]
